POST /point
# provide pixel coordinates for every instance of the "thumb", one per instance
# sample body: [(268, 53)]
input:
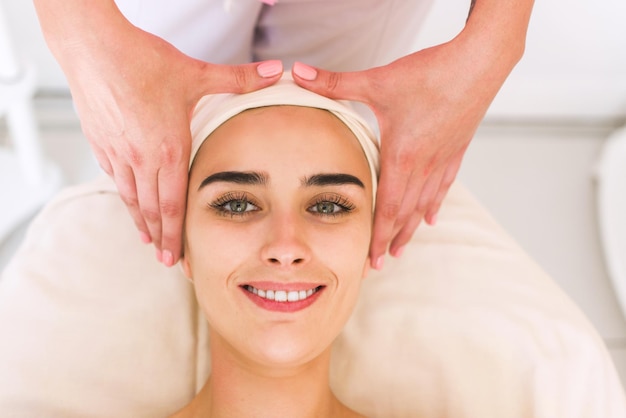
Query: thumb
[(239, 79), (334, 85)]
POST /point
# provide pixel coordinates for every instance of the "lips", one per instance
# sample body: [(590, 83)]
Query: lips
[(277, 297), (283, 295)]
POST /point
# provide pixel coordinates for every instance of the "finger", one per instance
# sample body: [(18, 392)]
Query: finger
[(446, 182), (125, 183), (391, 189), (429, 192), (335, 85), (405, 234), (431, 215), (409, 203), (238, 78), (172, 192), (404, 230), (148, 202)]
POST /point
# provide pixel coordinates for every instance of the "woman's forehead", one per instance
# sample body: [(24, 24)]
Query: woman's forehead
[(287, 134)]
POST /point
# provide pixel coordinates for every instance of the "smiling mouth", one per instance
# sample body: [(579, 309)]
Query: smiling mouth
[(283, 296)]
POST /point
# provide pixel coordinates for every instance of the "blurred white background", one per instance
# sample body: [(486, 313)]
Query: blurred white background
[(532, 161)]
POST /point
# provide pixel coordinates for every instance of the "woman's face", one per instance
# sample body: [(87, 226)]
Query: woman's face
[(278, 228)]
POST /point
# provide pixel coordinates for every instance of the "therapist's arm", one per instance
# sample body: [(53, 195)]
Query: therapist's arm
[(429, 105), (135, 94)]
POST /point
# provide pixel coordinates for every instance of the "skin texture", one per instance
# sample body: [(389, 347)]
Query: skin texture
[(135, 108), (282, 237)]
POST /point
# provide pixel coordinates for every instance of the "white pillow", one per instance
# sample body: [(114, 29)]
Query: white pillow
[(463, 325)]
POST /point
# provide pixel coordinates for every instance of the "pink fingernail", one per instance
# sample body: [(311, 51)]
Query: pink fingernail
[(399, 251), (159, 255), (269, 69), (168, 258), (145, 238), (304, 71), (433, 219), (380, 261)]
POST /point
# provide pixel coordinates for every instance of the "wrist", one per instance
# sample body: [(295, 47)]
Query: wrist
[(76, 28), (495, 33)]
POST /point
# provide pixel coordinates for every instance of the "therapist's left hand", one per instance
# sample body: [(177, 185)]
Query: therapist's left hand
[(428, 105)]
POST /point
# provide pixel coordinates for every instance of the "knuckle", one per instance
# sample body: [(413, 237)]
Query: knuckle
[(171, 152), (389, 211), (333, 81), (130, 200), (171, 209), (423, 205), (135, 157), (240, 77), (404, 160), (403, 218), (151, 215)]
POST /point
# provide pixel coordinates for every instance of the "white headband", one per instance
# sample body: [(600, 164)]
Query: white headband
[(213, 110)]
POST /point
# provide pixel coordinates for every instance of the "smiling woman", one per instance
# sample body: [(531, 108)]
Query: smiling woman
[(465, 324), (277, 232)]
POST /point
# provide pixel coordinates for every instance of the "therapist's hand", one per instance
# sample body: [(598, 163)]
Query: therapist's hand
[(136, 113), (428, 105), (135, 94)]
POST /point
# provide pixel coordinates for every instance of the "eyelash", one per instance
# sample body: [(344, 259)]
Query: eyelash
[(219, 205), (344, 204)]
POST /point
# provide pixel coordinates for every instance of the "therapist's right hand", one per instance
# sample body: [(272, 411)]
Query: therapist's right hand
[(135, 94)]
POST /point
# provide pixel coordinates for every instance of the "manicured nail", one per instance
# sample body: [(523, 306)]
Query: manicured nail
[(304, 71), (380, 261), (270, 68), (399, 252), (433, 219), (168, 258), (145, 238)]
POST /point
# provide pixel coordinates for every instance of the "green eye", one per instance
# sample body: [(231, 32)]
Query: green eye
[(238, 206), (234, 204), (327, 207), (331, 205)]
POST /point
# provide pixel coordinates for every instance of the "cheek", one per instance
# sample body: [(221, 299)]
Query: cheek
[(344, 249), (345, 254), (346, 259), (214, 256), (215, 249)]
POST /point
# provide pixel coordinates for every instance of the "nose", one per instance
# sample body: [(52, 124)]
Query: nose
[(286, 243)]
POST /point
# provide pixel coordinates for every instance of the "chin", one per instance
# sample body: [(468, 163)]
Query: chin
[(286, 351)]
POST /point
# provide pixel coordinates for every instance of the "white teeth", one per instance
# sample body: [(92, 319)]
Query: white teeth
[(282, 295)]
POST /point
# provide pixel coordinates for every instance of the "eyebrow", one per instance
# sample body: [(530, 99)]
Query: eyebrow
[(260, 179), (238, 177), (332, 179)]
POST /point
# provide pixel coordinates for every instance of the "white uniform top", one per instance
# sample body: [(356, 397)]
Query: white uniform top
[(338, 35)]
